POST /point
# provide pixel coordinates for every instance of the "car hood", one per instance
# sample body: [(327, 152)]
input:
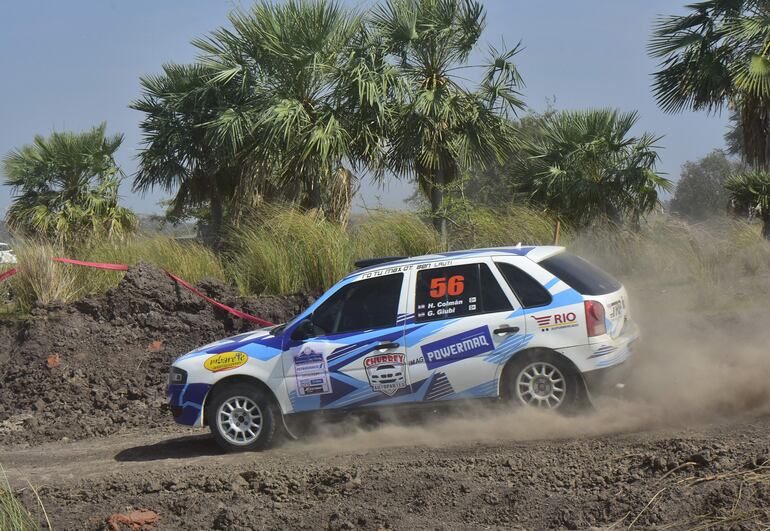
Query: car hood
[(259, 344)]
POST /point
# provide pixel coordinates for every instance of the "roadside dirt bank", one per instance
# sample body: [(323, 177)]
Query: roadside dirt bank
[(100, 366)]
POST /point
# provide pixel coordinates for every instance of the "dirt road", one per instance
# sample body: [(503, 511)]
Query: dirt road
[(382, 478)]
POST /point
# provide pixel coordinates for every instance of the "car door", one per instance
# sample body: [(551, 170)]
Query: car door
[(467, 325), (354, 354)]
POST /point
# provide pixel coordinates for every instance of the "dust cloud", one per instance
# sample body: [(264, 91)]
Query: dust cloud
[(703, 358)]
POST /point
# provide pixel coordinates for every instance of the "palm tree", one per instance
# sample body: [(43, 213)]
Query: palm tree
[(310, 96), (717, 55), (66, 186), (751, 191), (584, 165), (181, 154), (438, 127)]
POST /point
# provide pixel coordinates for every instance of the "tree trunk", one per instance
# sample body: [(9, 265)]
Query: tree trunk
[(766, 226), (217, 219), (313, 198), (439, 220)]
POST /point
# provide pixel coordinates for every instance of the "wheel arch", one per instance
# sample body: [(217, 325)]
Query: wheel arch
[(234, 379), (503, 384)]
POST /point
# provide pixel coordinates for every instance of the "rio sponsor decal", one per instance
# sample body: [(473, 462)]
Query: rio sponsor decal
[(386, 372), (311, 372), (555, 321), (225, 361), (458, 347)]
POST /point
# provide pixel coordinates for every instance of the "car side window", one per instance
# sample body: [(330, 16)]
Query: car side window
[(528, 290), (458, 291), (363, 305)]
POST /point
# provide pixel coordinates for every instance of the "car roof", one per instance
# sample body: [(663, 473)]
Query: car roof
[(536, 253)]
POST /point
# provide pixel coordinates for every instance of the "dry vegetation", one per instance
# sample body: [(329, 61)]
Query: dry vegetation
[(286, 251)]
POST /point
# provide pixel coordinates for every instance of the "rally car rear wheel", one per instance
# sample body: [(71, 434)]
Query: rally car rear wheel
[(241, 418), (543, 380)]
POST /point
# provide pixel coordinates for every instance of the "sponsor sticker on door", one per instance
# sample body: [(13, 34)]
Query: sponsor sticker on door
[(458, 347), (311, 372), (386, 372), (555, 321)]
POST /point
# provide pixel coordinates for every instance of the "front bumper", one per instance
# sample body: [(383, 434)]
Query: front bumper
[(186, 402)]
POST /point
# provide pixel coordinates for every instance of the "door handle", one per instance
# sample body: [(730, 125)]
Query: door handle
[(505, 329), (386, 345)]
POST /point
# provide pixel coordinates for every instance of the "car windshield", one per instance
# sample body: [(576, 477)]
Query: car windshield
[(580, 275)]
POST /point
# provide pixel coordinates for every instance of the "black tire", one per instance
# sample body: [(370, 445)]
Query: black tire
[(242, 393), (574, 396)]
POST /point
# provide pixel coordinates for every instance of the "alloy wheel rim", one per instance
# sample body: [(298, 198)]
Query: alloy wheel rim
[(542, 385), (240, 420)]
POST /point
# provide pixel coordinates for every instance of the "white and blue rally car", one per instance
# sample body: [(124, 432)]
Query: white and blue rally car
[(537, 326)]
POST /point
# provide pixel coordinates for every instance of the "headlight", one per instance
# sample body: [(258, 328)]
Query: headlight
[(177, 376)]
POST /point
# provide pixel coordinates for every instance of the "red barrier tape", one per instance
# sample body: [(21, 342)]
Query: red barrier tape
[(233, 311), (122, 267), (97, 265), (8, 274)]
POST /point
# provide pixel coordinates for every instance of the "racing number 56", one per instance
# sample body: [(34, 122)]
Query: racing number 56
[(440, 287)]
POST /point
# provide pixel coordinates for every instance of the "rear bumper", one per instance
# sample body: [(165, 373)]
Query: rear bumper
[(608, 381)]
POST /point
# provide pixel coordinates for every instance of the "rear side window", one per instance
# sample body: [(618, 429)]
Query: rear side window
[(527, 289), (580, 275), (457, 291)]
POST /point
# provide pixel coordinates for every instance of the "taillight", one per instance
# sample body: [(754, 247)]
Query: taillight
[(595, 318)]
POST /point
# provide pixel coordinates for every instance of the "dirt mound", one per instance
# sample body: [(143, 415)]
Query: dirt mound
[(98, 366)]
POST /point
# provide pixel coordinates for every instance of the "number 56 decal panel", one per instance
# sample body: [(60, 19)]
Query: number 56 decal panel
[(460, 304)]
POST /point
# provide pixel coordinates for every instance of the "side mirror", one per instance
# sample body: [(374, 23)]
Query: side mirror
[(305, 330)]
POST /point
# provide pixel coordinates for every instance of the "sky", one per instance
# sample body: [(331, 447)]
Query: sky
[(71, 65)]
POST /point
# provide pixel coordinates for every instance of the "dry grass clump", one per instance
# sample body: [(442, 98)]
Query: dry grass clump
[(14, 516), (41, 280)]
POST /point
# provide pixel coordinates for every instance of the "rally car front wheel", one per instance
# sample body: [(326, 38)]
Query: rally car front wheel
[(543, 380), (242, 418)]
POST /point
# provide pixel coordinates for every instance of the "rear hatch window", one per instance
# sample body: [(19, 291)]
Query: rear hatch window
[(580, 275)]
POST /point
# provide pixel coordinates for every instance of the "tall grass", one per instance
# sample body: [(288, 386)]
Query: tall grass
[(394, 233), (13, 515), (188, 260), (484, 227), (284, 250), (288, 251), (41, 280), (667, 250)]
